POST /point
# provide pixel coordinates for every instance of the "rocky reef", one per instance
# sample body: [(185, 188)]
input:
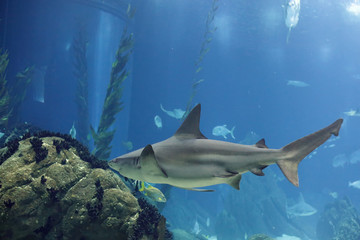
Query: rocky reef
[(48, 192), (260, 237), (340, 220)]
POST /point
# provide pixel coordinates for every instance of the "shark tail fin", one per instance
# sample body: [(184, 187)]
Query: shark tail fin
[(298, 150)]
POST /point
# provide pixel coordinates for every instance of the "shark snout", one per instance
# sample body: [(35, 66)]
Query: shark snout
[(113, 164)]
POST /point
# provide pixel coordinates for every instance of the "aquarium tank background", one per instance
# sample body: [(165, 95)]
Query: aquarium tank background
[(85, 81)]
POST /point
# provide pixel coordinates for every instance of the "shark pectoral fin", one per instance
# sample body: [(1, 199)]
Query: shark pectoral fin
[(235, 181), (261, 144), (199, 189), (149, 164), (257, 171)]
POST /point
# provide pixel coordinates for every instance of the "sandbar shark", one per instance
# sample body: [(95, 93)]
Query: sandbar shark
[(189, 160)]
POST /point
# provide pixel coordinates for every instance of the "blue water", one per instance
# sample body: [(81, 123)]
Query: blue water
[(245, 82)]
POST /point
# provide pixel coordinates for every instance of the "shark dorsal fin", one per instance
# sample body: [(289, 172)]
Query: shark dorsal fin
[(190, 127), (261, 143)]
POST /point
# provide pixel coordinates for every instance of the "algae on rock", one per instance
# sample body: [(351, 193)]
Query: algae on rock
[(340, 220), (49, 199)]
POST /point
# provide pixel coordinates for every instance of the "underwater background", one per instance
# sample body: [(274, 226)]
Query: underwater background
[(239, 58)]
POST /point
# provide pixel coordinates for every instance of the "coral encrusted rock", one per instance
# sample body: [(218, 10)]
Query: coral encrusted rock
[(62, 197), (339, 221)]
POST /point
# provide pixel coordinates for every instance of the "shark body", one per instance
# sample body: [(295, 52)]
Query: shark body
[(189, 160)]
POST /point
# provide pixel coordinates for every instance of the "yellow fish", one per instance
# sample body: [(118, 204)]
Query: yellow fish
[(150, 191)]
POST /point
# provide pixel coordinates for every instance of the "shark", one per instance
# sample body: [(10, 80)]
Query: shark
[(191, 161), (300, 209)]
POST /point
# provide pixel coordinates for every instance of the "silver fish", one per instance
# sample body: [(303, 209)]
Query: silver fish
[(158, 121)]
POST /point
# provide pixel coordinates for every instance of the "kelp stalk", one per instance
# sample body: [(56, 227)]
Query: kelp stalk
[(209, 31), (82, 99), (113, 104), (4, 95)]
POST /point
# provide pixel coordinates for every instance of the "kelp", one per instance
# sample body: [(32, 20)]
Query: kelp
[(207, 38), (18, 91), (113, 104), (4, 94), (12, 94), (81, 75)]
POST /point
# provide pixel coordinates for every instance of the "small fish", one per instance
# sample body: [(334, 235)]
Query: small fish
[(223, 131), (150, 191), (176, 113), (355, 184), (297, 83), (128, 145), (73, 131), (196, 229), (208, 222), (334, 195), (352, 113), (330, 146), (158, 121), (355, 157), (339, 160)]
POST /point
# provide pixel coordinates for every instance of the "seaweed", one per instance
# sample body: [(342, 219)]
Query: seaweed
[(150, 222), (43, 180), (5, 111), (53, 194), (44, 230), (11, 95), (12, 147), (82, 151), (40, 152), (81, 74), (36, 143), (94, 209), (8, 204), (113, 104), (60, 145), (207, 38), (99, 190), (17, 91), (16, 132)]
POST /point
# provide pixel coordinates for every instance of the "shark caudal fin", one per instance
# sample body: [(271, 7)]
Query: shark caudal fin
[(298, 150)]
